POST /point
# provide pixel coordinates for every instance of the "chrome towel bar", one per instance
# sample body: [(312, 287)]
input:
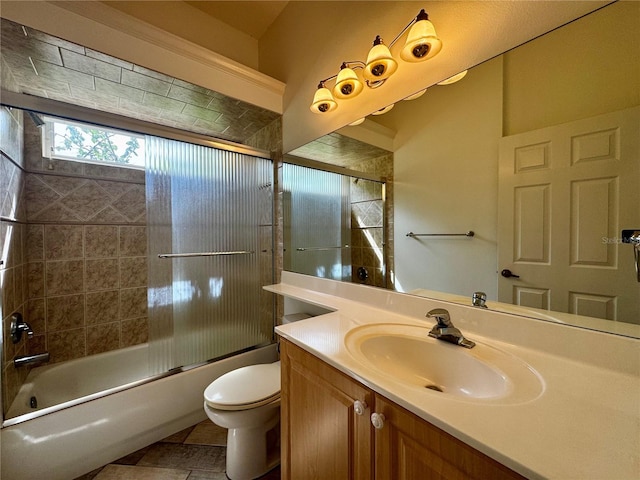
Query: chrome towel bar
[(204, 254), (470, 233), (305, 249)]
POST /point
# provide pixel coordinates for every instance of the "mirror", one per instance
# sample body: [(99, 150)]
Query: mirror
[(335, 219), (448, 179)]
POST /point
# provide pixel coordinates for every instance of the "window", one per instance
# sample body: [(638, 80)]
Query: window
[(82, 142)]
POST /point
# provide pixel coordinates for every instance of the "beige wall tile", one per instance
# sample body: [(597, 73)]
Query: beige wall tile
[(102, 274), (101, 241), (102, 307), (35, 276), (64, 277), (134, 331), (66, 345), (35, 242), (133, 241), (65, 313), (36, 315), (62, 242), (133, 272), (86, 200), (133, 303), (36, 344), (103, 338)]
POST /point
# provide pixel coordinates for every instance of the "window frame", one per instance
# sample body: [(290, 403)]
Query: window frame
[(48, 144)]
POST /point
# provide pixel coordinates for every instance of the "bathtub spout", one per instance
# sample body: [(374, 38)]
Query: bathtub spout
[(21, 360)]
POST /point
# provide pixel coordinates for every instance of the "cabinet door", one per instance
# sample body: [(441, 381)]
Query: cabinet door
[(408, 448), (322, 435)]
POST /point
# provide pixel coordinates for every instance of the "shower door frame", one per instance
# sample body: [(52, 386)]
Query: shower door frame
[(120, 122)]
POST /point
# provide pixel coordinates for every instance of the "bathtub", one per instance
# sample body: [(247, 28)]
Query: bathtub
[(97, 428), (77, 380)]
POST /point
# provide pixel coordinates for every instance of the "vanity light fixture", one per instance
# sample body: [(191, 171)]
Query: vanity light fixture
[(422, 43), (415, 95), (347, 83), (453, 79), (383, 110), (323, 100)]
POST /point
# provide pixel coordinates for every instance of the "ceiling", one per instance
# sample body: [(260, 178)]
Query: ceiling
[(252, 18)]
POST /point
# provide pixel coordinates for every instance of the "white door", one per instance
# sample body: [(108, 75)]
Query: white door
[(565, 194)]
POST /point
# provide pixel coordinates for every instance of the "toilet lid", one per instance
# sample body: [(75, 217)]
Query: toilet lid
[(245, 387)]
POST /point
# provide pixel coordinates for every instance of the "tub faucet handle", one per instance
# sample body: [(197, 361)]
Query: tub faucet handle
[(18, 327)]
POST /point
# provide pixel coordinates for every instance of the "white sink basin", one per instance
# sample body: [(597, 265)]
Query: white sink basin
[(405, 354)]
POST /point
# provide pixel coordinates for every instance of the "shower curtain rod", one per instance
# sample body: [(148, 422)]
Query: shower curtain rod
[(106, 119)]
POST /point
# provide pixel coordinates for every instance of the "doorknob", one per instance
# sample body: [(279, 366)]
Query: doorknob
[(506, 273)]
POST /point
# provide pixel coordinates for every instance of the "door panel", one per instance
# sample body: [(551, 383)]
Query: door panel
[(565, 194)]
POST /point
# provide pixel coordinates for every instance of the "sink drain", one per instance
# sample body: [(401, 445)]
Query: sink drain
[(434, 387)]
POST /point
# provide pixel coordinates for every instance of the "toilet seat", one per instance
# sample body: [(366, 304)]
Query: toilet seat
[(244, 388)]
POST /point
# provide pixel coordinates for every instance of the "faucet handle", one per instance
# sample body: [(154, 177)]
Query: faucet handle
[(441, 315), (18, 327)]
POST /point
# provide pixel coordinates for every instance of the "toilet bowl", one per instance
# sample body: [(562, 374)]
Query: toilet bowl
[(246, 401)]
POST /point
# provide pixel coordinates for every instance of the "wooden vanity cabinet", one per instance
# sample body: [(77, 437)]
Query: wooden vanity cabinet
[(410, 448), (322, 435), (326, 435)]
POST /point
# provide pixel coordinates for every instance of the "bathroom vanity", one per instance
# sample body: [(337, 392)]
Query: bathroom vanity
[(367, 394), (328, 432)]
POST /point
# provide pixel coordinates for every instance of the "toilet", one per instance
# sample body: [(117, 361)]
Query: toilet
[(246, 401)]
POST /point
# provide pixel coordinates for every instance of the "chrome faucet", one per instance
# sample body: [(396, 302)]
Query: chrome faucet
[(479, 299), (444, 329), (18, 327), (21, 360)]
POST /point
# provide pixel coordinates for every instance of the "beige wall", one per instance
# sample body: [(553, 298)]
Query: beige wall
[(445, 166), (185, 21), (571, 74)]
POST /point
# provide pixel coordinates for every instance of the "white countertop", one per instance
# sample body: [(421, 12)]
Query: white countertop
[(585, 423)]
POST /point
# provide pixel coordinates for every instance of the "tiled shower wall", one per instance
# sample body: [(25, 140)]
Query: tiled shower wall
[(13, 270), (269, 138), (74, 239), (372, 223), (86, 247)]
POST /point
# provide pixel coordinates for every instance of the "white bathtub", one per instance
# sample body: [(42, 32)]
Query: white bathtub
[(64, 444), (76, 379)]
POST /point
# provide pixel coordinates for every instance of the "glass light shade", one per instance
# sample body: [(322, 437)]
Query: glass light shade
[(323, 101), (348, 85), (453, 79), (415, 95), (357, 122), (422, 42), (380, 63), (383, 110)]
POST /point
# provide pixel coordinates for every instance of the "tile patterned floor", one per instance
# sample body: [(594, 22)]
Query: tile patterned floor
[(196, 453)]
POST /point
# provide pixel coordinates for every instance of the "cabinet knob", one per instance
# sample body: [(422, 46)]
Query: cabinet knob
[(359, 407), (377, 420)]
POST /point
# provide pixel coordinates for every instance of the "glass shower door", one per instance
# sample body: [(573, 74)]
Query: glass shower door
[(210, 252), (317, 222)]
